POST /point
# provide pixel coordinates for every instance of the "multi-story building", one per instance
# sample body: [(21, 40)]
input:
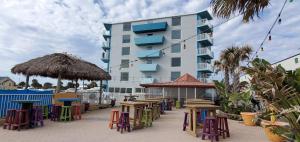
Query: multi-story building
[(157, 50), (289, 63)]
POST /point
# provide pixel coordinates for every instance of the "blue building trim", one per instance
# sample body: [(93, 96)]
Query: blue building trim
[(149, 40), (150, 27)]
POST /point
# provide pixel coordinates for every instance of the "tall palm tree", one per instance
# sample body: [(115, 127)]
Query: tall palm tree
[(235, 55), (221, 65), (248, 8)]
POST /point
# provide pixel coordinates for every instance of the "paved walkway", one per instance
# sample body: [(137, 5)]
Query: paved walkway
[(94, 128)]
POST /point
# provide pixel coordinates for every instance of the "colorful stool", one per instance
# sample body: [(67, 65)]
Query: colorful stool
[(65, 114), (210, 129), (124, 122), (55, 112), (21, 119), (76, 112), (223, 126), (9, 118), (46, 111), (147, 118), (114, 118), (177, 104), (185, 121), (37, 116)]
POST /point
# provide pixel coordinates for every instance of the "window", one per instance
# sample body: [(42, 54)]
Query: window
[(127, 27), (176, 21), (117, 90), (125, 63), (175, 48), (175, 75), (123, 90), (129, 90), (124, 76), (176, 62), (111, 89), (296, 60), (126, 39), (125, 50), (138, 90), (176, 34)]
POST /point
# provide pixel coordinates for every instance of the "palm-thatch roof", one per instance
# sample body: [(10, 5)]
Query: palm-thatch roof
[(69, 67)]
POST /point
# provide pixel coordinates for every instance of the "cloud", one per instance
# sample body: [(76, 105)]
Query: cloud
[(32, 28)]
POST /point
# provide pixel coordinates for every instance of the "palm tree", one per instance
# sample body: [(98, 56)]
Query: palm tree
[(235, 55), (222, 65), (248, 8)]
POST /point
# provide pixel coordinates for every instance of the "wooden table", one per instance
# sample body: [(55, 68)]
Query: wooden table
[(68, 101), (138, 108), (199, 101), (154, 105), (193, 109)]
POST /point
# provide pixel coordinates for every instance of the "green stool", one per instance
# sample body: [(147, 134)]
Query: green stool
[(45, 112), (177, 104), (147, 118), (65, 114)]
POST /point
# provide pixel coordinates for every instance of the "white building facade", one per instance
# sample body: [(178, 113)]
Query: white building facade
[(157, 50), (290, 63)]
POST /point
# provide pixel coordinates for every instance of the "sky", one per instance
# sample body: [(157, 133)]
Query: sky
[(31, 28)]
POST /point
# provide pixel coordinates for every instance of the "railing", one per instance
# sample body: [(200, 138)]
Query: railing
[(105, 44), (106, 33), (147, 80), (105, 56), (7, 96), (204, 36), (205, 80), (205, 51), (205, 66), (203, 22)]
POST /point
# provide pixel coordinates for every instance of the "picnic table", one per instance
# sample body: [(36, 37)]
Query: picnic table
[(192, 110), (138, 108), (154, 105)]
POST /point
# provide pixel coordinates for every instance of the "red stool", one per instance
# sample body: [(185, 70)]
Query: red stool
[(9, 118), (114, 118), (76, 112), (223, 126), (185, 121), (210, 129), (21, 119)]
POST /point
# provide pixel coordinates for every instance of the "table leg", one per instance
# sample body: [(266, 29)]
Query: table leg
[(195, 122), (128, 109), (134, 117), (123, 108), (190, 120)]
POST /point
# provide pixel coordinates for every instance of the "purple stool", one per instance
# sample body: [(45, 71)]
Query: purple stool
[(185, 121), (223, 126), (123, 122), (37, 116), (55, 112), (210, 129)]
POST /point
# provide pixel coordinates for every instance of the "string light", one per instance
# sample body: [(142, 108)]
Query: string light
[(262, 49), (184, 47), (279, 21), (270, 37)]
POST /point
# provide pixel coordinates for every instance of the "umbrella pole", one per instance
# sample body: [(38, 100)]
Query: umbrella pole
[(100, 92), (76, 82), (58, 83), (27, 82)]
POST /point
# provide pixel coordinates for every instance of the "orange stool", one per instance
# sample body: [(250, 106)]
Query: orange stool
[(114, 118), (76, 113)]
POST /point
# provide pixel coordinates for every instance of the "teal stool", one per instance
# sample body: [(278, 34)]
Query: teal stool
[(65, 114), (147, 118)]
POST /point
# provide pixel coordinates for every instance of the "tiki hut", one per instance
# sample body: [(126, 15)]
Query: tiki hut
[(61, 66)]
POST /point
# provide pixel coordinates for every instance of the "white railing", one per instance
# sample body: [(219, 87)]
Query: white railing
[(203, 22), (205, 51), (106, 33), (147, 80), (205, 66), (205, 80), (105, 44), (105, 56), (204, 36)]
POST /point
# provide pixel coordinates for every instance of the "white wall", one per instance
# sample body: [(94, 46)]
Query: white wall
[(290, 63)]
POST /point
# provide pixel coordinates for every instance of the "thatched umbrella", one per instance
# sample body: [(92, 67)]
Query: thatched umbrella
[(61, 66)]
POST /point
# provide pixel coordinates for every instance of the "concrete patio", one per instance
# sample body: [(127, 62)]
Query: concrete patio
[(94, 128)]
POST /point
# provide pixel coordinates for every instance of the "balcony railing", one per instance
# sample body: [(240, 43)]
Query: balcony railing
[(147, 80), (105, 57), (205, 39), (106, 34), (204, 25), (205, 80), (148, 67), (150, 27), (105, 45), (205, 67), (149, 40), (205, 52), (149, 54)]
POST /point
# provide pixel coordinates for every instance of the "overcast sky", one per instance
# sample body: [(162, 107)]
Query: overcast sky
[(31, 28)]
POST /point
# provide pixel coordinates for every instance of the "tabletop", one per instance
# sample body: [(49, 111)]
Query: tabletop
[(132, 103), (201, 106)]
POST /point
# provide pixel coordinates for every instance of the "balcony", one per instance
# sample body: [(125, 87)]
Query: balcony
[(205, 15), (205, 53), (204, 25), (150, 27), (205, 39), (149, 54), (105, 57), (106, 34), (205, 67), (107, 26), (205, 80), (148, 67), (147, 80), (149, 40), (105, 45)]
